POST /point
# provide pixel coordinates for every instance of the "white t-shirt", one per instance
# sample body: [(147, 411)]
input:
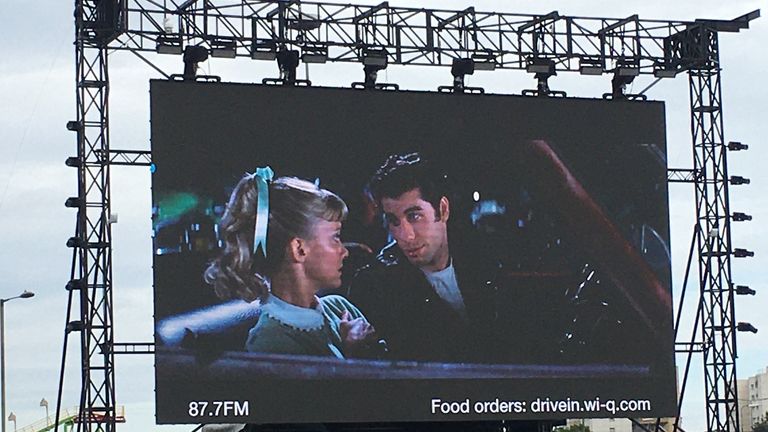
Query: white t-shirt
[(445, 285)]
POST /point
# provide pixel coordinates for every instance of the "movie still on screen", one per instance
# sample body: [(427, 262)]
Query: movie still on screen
[(335, 255)]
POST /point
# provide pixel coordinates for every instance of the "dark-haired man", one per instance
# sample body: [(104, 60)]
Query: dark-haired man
[(430, 299)]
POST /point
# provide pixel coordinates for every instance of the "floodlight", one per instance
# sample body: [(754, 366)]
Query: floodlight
[(263, 49), (739, 180), (313, 57), (192, 56), (195, 54), (740, 217), (74, 326), (627, 71), (374, 60), (462, 66), (223, 48), (74, 242), (72, 161), (485, 66), (484, 61), (73, 202), (288, 61), (74, 126), (169, 44), (743, 253), (375, 57), (75, 284), (746, 327), (543, 69), (737, 146), (314, 54), (537, 65), (623, 74), (302, 21), (744, 290), (664, 73), (591, 66)]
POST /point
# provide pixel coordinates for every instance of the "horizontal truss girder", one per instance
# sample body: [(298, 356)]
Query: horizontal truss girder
[(417, 36)]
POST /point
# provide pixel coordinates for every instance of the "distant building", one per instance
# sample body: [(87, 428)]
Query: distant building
[(604, 425), (742, 389), (624, 425), (753, 400)]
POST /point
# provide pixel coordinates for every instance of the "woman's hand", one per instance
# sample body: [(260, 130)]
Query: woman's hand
[(356, 334)]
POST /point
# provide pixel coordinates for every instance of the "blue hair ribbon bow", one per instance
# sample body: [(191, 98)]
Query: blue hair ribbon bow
[(262, 177)]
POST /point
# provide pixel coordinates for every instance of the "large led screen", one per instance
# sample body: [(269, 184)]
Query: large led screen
[(340, 255)]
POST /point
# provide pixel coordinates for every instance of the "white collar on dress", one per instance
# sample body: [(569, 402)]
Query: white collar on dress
[(298, 317)]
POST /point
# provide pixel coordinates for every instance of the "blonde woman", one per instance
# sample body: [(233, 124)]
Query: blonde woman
[(282, 245)]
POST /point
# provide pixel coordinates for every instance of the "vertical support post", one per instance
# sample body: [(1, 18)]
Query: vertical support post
[(714, 240), (2, 359), (93, 252)]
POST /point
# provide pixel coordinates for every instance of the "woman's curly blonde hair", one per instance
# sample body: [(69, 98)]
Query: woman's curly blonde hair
[(295, 205)]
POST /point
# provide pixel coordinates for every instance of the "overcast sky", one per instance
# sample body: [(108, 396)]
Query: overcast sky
[(37, 89)]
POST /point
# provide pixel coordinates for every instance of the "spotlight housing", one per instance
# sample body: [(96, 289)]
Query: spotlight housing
[(314, 54), (223, 48), (740, 217), (739, 180), (537, 65), (192, 56), (72, 161), (263, 49), (73, 202), (74, 126), (484, 61), (169, 44), (376, 57), (462, 67), (746, 327), (661, 71), (743, 253), (591, 66), (75, 284), (744, 290), (74, 326), (74, 242), (737, 146), (627, 71)]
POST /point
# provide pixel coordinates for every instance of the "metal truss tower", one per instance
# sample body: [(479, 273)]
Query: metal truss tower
[(713, 238), (259, 29), (90, 286)]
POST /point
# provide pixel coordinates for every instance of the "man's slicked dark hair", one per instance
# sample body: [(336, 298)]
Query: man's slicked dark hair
[(402, 173)]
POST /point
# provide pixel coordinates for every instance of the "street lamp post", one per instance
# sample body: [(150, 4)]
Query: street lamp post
[(44, 403), (25, 294)]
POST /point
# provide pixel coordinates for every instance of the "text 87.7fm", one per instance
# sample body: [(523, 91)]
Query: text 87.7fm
[(218, 408)]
